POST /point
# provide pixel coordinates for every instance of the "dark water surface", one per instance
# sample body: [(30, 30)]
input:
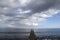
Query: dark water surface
[(24, 33)]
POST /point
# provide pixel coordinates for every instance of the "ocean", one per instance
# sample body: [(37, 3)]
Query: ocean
[(24, 33)]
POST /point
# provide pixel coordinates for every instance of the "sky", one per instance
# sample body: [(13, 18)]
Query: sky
[(30, 13)]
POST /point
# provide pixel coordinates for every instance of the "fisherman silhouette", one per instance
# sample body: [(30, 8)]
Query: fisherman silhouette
[(32, 35)]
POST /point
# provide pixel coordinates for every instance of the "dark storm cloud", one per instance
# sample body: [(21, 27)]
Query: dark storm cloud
[(34, 5), (39, 5)]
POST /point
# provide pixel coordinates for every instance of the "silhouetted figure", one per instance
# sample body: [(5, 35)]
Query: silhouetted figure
[(32, 35)]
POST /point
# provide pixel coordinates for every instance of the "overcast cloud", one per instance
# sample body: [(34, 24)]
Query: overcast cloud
[(20, 13)]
